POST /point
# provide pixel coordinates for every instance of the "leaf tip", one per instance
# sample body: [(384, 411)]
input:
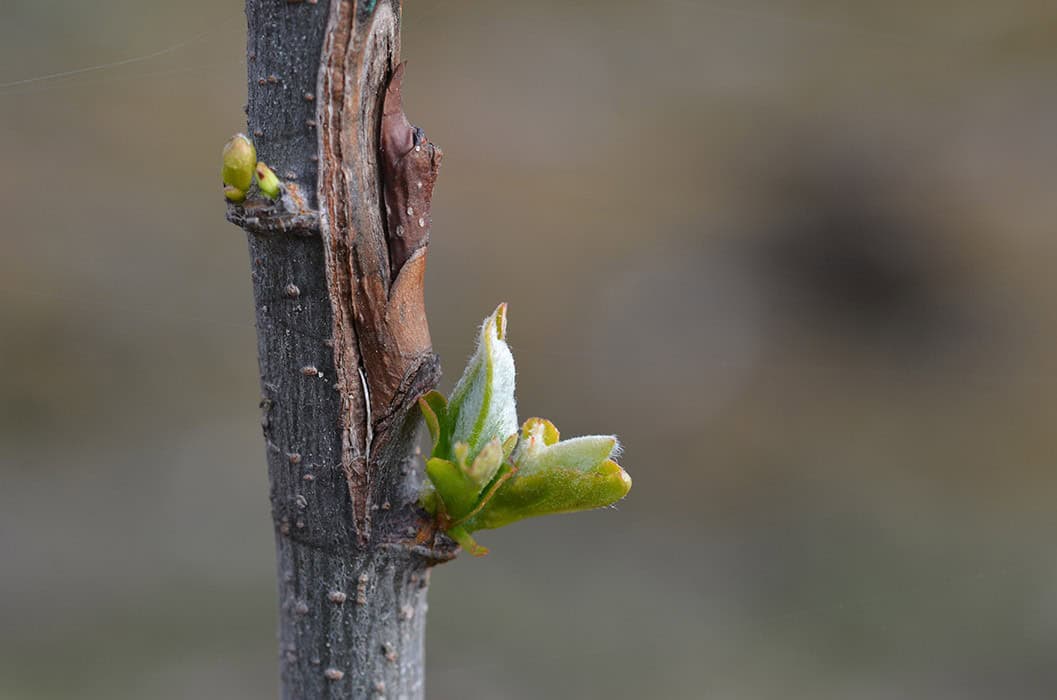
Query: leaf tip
[(500, 321)]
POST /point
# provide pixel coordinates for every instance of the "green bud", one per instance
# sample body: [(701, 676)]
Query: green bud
[(234, 194), (240, 159), (486, 464), (267, 181)]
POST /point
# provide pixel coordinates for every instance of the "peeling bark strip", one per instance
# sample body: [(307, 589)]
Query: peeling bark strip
[(409, 171), (343, 343), (383, 352)]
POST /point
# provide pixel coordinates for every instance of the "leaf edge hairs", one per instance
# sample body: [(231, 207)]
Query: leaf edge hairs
[(484, 473)]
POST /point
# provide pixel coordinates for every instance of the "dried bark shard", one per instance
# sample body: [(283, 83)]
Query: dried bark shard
[(409, 171)]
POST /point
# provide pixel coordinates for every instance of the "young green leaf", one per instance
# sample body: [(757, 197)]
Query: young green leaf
[(435, 411), (540, 449), (456, 490), (555, 490), (482, 405)]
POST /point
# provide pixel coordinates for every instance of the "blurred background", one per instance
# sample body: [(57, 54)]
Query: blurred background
[(798, 255)]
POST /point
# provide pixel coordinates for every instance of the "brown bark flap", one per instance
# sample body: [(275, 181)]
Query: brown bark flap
[(398, 344), (409, 171)]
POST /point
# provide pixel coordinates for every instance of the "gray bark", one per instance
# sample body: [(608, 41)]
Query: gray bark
[(343, 348)]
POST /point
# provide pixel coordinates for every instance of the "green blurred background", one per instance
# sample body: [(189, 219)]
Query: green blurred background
[(798, 255)]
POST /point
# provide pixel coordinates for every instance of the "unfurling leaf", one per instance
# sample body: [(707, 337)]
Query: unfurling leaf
[(484, 474), (556, 490), (539, 448), (481, 406), (435, 412), (457, 492)]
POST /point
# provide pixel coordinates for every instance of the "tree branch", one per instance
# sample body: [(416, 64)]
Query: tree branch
[(344, 345)]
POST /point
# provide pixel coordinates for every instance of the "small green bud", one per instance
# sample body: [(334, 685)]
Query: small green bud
[(234, 194), (267, 181), (240, 159), (486, 464)]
